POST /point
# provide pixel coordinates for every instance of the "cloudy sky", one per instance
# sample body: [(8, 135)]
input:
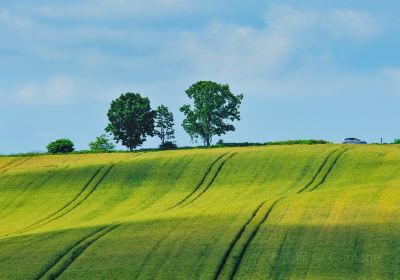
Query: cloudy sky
[(308, 69)]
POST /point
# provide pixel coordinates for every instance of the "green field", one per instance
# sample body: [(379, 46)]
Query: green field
[(272, 212)]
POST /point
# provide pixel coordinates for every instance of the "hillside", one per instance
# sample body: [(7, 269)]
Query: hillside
[(274, 212)]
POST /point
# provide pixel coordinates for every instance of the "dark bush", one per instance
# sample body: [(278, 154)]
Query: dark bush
[(168, 145), (60, 146), (298, 142), (242, 144)]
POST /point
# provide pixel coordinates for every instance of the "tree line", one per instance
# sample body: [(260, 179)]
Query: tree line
[(212, 111)]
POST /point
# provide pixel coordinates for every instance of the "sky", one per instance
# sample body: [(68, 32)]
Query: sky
[(310, 69)]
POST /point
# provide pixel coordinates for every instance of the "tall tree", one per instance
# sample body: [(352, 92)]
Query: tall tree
[(164, 124), (131, 119), (214, 107)]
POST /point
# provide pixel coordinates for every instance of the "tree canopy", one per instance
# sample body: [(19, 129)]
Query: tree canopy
[(101, 144), (214, 108), (131, 120), (61, 146), (164, 124)]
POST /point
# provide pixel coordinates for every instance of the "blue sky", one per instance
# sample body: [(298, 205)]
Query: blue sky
[(308, 69)]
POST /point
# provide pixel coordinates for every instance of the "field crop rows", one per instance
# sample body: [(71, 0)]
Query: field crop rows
[(277, 212)]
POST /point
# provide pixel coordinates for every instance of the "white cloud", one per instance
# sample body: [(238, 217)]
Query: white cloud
[(227, 51), (352, 24), (57, 90), (260, 58)]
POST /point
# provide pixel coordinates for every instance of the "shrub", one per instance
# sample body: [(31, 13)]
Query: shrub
[(60, 146), (396, 141), (168, 145), (101, 144), (220, 143), (298, 142)]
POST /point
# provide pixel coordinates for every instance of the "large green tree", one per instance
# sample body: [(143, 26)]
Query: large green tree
[(164, 124), (214, 108), (131, 120)]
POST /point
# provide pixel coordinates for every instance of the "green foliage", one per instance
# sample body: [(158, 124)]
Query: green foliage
[(298, 142), (164, 124), (60, 146), (168, 145), (131, 120), (101, 144), (396, 141), (214, 107)]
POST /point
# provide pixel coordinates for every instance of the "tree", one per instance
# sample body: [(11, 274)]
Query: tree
[(168, 145), (131, 120), (61, 146), (214, 106), (101, 144), (164, 124)]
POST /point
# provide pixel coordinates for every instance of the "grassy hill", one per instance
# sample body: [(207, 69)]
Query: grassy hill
[(276, 212)]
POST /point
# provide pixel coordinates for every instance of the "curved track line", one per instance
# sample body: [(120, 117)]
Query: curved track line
[(235, 240), (32, 226), (201, 181), (252, 235), (10, 163), (148, 257), (22, 193), (318, 171), (79, 202), (329, 170), (73, 252), (19, 162), (212, 180)]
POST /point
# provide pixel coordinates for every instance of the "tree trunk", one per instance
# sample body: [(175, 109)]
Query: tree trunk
[(208, 142)]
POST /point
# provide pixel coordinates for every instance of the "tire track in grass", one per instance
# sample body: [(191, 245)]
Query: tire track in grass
[(253, 232), (212, 179), (19, 163), (235, 240), (61, 262), (9, 163), (81, 199), (67, 204), (148, 257), (32, 240), (22, 193), (318, 171), (246, 245), (274, 272), (323, 179), (198, 186)]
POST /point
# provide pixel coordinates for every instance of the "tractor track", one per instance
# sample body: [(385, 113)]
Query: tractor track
[(84, 198), (9, 163), (246, 225), (7, 167), (329, 170), (198, 186), (212, 179), (235, 240), (23, 192), (32, 226), (318, 171), (64, 260), (246, 245)]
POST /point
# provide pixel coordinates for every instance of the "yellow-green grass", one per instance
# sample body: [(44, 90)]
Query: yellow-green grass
[(274, 212)]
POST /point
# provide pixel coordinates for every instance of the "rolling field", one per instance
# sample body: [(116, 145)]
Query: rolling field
[(273, 212)]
